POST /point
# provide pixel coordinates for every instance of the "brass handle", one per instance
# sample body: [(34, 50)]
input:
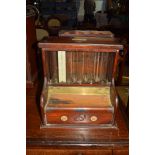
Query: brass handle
[(64, 118), (93, 118)]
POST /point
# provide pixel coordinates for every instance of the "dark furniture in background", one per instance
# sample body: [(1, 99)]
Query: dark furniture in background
[(31, 62), (61, 9)]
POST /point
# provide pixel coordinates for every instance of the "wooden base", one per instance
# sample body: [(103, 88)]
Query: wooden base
[(108, 126)]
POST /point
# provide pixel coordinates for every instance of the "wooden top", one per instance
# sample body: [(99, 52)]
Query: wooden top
[(88, 33), (81, 44), (81, 137)]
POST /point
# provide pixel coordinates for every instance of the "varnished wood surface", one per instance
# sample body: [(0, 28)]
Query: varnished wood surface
[(78, 40), (86, 33), (81, 44), (68, 152), (73, 137), (75, 118)]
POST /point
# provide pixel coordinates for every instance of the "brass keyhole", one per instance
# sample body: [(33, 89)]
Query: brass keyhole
[(81, 118)]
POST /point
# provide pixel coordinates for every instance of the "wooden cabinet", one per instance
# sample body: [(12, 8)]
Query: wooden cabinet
[(31, 66), (79, 88)]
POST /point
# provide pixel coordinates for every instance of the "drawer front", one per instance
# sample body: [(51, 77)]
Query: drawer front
[(121, 152), (79, 117), (67, 152)]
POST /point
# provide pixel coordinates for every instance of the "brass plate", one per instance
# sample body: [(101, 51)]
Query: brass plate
[(79, 97), (79, 90)]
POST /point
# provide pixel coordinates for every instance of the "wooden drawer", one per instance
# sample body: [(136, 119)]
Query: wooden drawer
[(67, 152), (80, 117)]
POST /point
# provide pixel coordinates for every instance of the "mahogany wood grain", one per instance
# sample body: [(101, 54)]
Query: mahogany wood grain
[(68, 152), (88, 45), (122, 65), (44, 62), (121, 152), (86, 33), (103, 116)]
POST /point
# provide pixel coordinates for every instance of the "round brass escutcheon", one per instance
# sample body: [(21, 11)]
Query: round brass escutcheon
[(64, 118), (93, 118)]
